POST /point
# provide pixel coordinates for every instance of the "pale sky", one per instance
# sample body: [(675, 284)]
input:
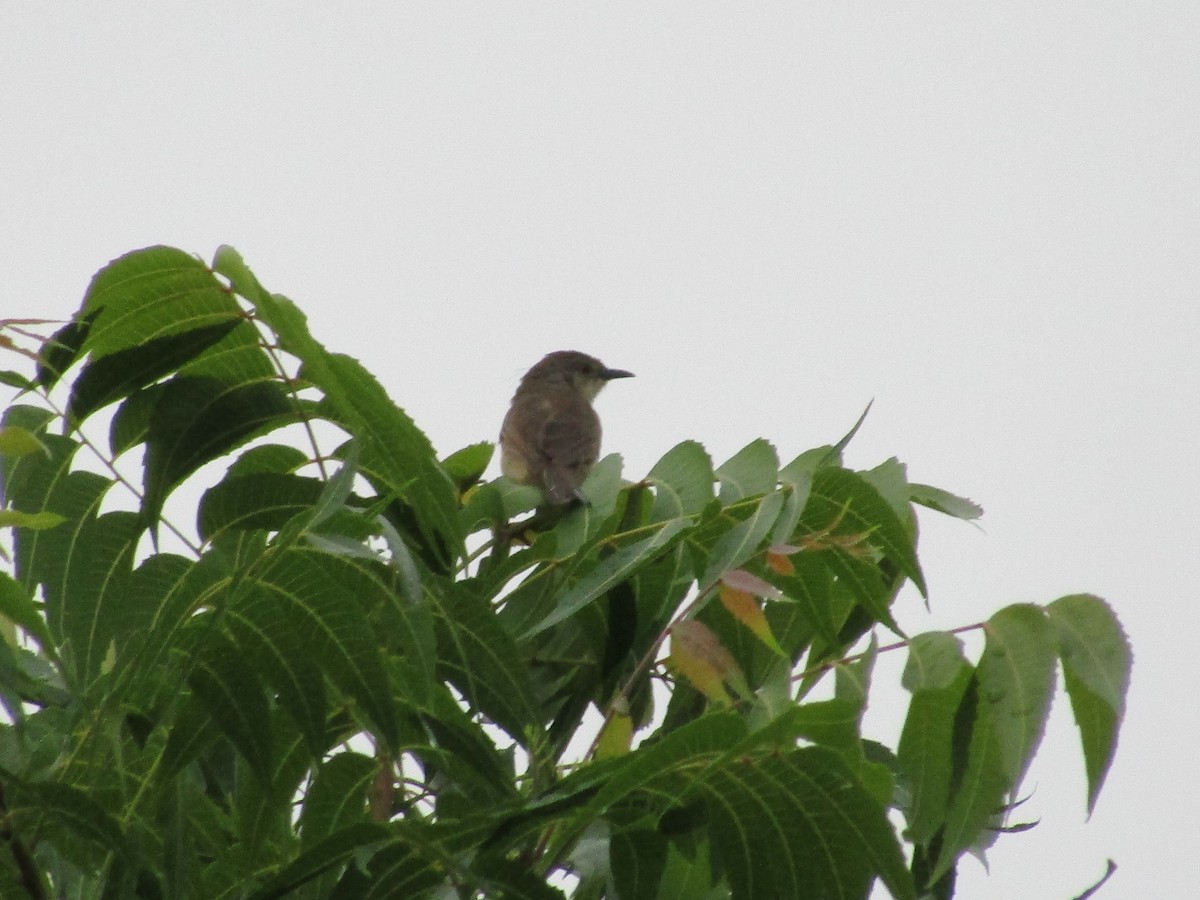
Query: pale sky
[(986, 219)]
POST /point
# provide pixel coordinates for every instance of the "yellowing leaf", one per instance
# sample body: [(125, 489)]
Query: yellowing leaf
[(745, 608), (16, 441), (741, 580), (697, 654), (778, 561), (35, 521), (616, 737)]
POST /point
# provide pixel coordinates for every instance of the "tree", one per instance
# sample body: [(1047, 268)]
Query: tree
[(363, 674)]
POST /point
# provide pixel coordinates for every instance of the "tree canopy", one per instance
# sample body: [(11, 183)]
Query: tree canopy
[(362, 671)]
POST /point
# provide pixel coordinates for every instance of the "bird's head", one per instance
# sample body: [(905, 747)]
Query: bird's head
[(584, 373)]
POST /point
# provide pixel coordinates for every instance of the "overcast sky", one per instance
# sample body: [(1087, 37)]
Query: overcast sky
[(988, 220)]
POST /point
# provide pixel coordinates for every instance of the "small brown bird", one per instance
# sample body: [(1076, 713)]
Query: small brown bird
[(551, 435)]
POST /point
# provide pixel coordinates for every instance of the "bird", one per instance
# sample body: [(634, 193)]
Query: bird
[(551, 435)]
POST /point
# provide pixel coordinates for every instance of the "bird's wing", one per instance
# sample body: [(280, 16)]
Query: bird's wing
[(569, 443)]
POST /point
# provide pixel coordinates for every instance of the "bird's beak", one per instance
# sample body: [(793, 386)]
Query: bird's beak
[(610, 374)]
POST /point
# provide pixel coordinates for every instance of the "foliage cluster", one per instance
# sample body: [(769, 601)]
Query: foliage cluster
[(354, 676)]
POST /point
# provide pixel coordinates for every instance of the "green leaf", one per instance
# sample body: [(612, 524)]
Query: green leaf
[(109, 378), (811, 587), (1096, 660), (18, 607), (480, 658), (333, 851), (470, 760), (150, 294), (16, 380), (39, 521), (752, 470), (610, 572), (307, 609), (978, 785), (689, 877), (226, 683), (743, 540), (683, 482), (937, 676), (278, 459), (586, 521), (16, 441), (890, 480), (637, 860), (466, 466), (798, 824), (847, 504), (1000, 723), (396, 455), (403, 868), (337, 797), (47, 804), (263, 500), (676, 758), (171, 589), (1016, 681), (61, 351), (835, 452), (336, 490), (796, 488), (197, 420), (944, 502)]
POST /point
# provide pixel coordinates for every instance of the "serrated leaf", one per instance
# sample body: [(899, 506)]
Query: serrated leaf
[(845, 504), (307, 611), (678, 755), (225, 682), (337, 488), (396, 455), (798, 824), (1096, 660), (1016, 681), (609, 572), (810, 586), (836, 449), (149, 294), (683, 482), (945, 502), (752, 470), (637, 860), (937, 675), (278, 459), (265, 500), (107, 379), (480, 658), (198, 420), (689, 876), (978, 786), (890, 480), (84, 565)]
